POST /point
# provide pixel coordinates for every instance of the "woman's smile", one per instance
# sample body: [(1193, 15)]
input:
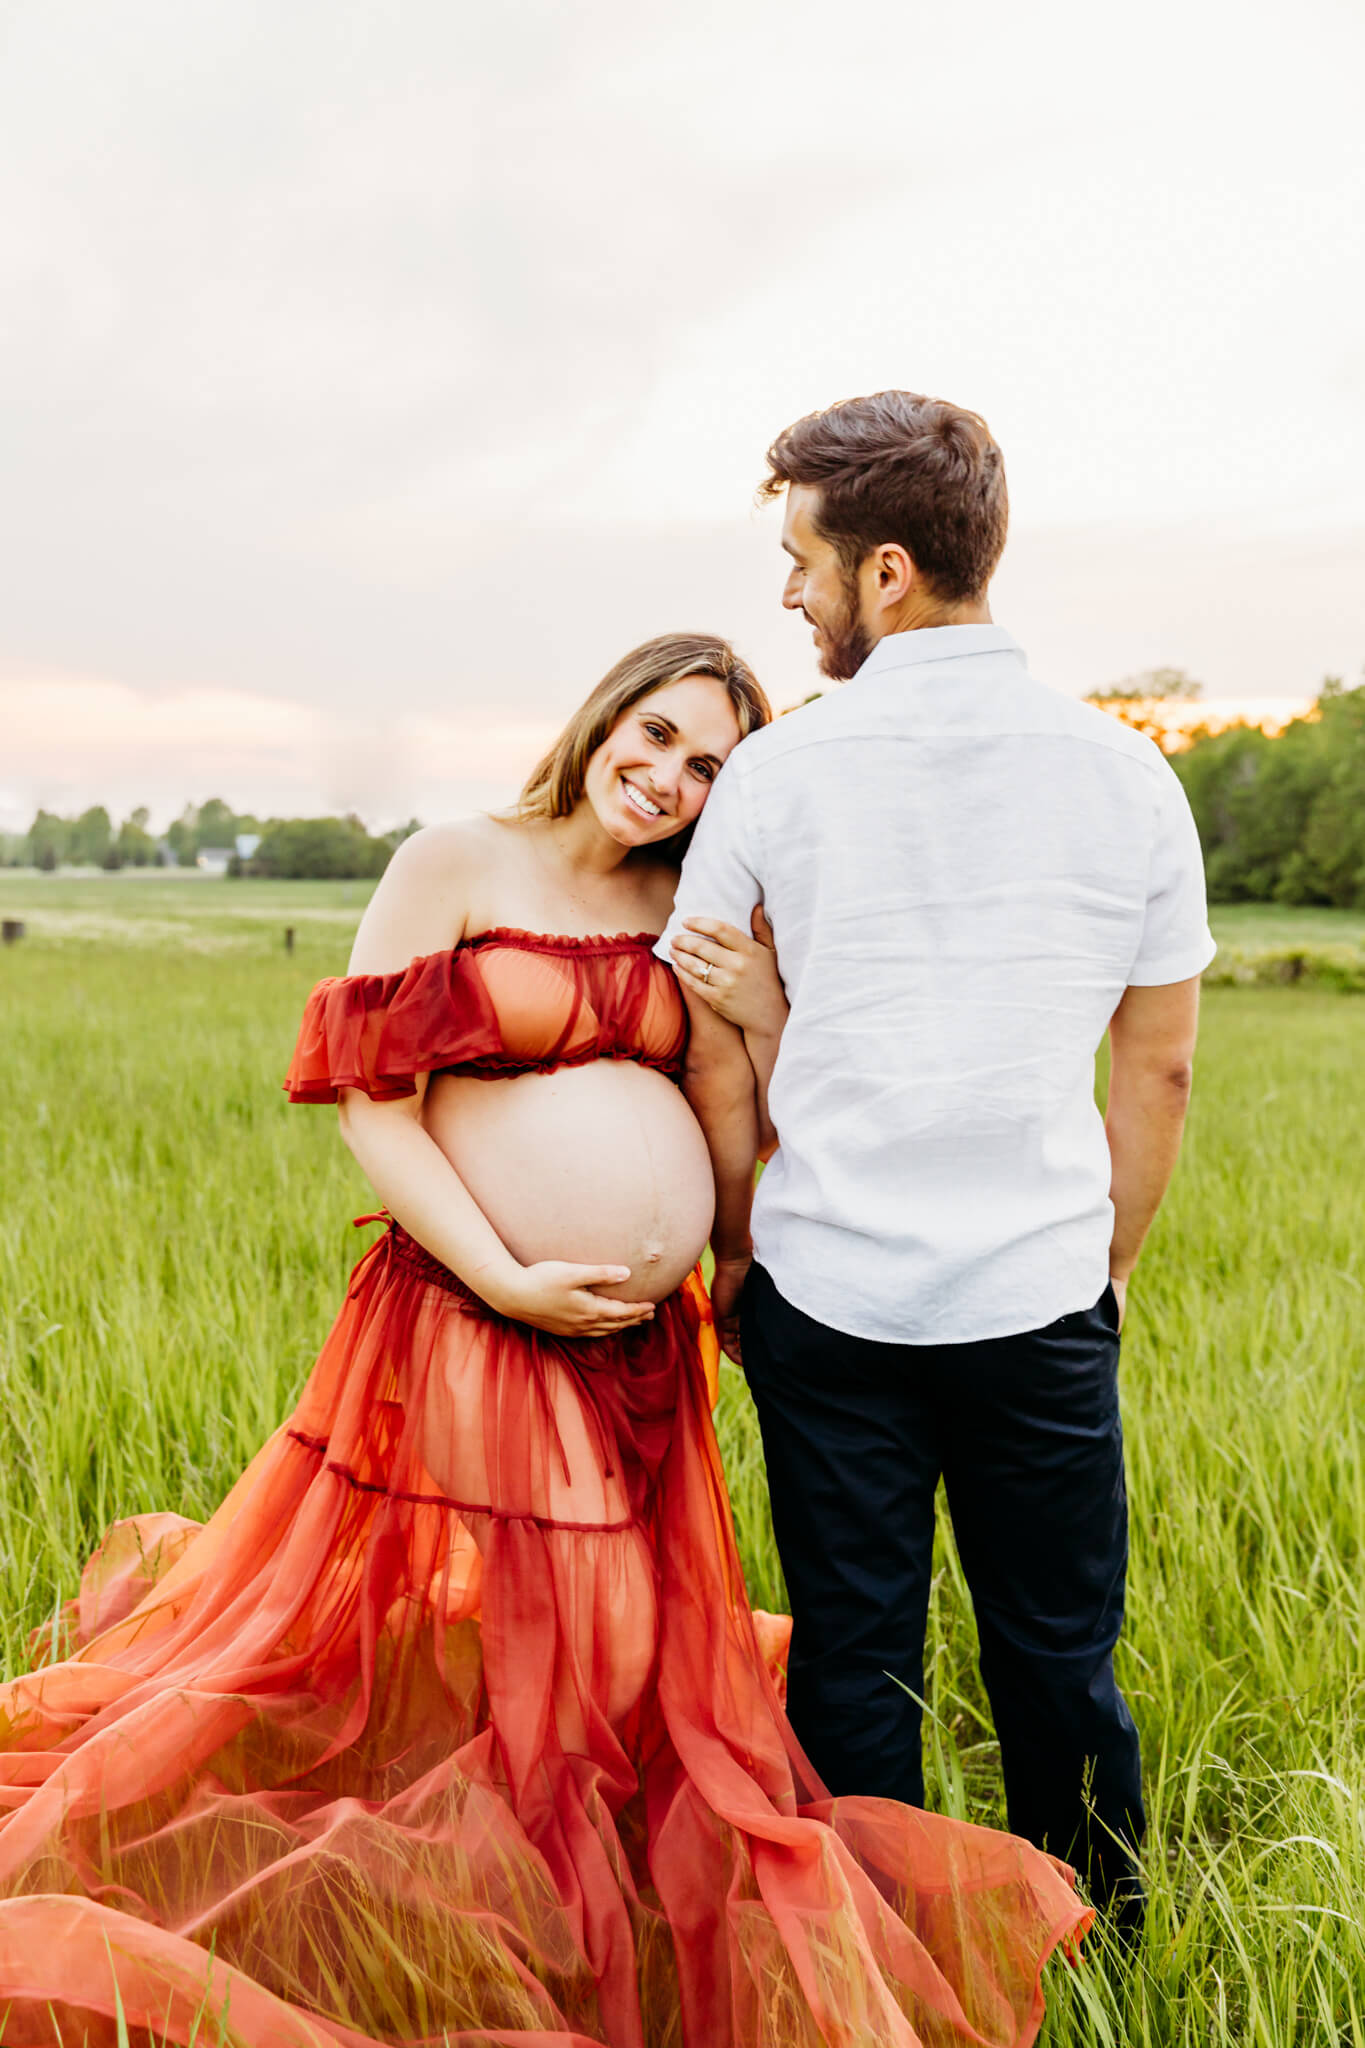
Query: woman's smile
[(636, 798)]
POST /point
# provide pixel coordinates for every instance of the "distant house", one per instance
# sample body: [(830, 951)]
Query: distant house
[(247, 842), (213, 860)]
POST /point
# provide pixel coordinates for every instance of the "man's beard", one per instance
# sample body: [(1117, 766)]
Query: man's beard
[(845, 640)]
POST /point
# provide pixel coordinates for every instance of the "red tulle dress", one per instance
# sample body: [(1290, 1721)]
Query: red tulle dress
[(367, 1759)]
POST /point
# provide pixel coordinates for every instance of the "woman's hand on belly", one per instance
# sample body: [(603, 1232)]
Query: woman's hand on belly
[(558, 1297), (579, 1171)]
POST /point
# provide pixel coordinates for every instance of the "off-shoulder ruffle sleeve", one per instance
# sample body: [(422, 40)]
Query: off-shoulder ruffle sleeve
[(377, 1032)]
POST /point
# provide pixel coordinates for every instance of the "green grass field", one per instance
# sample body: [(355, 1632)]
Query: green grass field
[(1252, 925), (160, 907), (174, 1243)]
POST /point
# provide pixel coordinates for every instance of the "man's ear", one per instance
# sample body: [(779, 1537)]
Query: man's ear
[(896, 572)]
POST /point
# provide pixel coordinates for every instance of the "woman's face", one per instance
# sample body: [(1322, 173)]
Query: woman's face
[(651, 775)]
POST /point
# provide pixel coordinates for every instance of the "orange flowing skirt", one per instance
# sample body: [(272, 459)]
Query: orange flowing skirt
[(454, 1725)]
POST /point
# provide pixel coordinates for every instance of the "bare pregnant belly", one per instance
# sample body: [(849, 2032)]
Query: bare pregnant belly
[(603, 1164)]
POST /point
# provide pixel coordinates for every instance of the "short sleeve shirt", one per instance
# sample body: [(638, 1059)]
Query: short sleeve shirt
[(964, 870)]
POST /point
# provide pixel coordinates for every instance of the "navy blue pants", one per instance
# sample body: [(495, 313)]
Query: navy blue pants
[(1025, 1432)]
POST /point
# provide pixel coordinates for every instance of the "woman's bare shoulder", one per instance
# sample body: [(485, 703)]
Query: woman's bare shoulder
[(462, 847), (422, 902)]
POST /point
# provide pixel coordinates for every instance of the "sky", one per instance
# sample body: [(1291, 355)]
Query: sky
[(371, 378)]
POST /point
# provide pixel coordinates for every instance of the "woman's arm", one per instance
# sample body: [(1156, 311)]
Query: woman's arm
[(418, 1185), (763, 1050), (719, 1084), (418, 908), (737, 977)]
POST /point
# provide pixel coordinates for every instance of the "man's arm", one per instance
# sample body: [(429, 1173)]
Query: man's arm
[(1151, 1045), (719, 1084)]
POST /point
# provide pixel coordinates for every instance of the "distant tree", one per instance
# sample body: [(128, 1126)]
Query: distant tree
[(91, 837), (1220, 774), (135, 845), (217, 824), (183, 837), (310, 848), (1283, 819), (49, 840), (1332, 856), (1139, 702)]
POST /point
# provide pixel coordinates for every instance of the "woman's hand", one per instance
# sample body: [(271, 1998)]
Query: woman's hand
[(557, 1297), (735, 974)]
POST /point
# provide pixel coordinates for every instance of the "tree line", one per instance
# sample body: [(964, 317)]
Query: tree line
[(1283, 820), (1281, 817), (292, 849)]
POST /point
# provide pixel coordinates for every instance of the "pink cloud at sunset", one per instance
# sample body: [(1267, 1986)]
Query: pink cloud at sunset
[(86, 740)]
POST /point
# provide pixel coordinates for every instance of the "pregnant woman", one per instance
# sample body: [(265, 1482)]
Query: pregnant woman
[(454, 1725)]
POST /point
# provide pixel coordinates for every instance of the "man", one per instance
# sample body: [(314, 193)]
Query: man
[(969, 878)]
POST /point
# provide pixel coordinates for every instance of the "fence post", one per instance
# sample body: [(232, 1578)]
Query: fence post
[(12, 929), (289, 938)]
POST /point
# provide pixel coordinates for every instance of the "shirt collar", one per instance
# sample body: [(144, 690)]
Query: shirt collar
[(937, 643)]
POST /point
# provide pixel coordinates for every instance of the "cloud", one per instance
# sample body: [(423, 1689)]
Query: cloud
[(424, 356), (78, 741), (410, 712), (1247, 615)]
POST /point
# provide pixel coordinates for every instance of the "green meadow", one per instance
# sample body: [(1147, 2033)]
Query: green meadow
[(174, 1240)]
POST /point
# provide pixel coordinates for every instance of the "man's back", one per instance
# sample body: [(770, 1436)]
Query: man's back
[(963, 871)]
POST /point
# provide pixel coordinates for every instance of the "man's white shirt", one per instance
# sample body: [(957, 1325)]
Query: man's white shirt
[(963, 870)]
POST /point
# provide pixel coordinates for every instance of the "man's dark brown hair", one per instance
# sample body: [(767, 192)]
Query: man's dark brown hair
[(899, 467)]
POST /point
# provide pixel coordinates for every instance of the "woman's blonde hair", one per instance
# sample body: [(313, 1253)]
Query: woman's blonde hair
[(556, 784)]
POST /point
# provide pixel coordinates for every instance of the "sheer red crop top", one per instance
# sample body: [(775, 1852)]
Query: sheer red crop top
[(505, 1002)]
